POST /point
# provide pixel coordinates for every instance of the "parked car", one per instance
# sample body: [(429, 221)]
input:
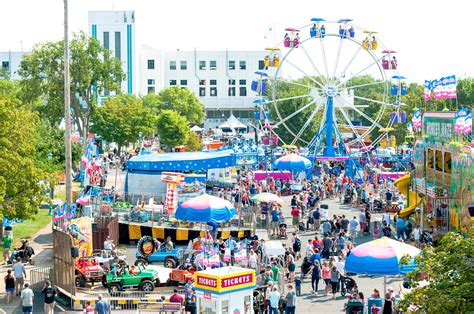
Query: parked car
[(87, 269), (170, 259), (144, 278)]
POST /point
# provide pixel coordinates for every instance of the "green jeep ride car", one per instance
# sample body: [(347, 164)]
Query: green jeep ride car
[(144, 278)]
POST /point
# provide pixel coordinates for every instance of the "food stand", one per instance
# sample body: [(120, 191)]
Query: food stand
[(226, 290)]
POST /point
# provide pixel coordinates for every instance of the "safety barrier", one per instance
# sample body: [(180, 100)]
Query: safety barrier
[(38, 276)]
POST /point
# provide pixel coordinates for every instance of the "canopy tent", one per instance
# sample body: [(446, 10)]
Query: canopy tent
[(293, 163), (381, 257), (195, 161), (232, 124), (196, 128), (205, 208)]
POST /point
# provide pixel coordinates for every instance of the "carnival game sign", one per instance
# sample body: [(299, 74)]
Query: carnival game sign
[(441, 129), (225, 283)]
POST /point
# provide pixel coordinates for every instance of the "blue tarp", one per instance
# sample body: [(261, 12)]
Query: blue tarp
[(189, 161)]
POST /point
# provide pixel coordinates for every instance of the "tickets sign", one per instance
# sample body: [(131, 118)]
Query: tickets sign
[(229, 282)]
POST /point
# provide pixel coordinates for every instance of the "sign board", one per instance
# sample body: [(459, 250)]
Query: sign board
[(225, 283), (153, 307), (246, 159), (172, 177), (440, 129)]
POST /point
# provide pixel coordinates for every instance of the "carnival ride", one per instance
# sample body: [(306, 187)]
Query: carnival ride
[(326, 95), (403, 185)]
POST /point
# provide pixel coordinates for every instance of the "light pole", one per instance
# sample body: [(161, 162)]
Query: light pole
[(67, 109)]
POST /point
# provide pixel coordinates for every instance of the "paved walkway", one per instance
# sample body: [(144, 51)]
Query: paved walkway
[(42, 243), (320, 303)]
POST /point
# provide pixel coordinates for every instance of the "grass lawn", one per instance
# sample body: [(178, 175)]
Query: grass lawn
[(28, 228)]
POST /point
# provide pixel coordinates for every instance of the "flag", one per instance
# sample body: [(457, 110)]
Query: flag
[(436, 87), (427, 90), (451, 86)]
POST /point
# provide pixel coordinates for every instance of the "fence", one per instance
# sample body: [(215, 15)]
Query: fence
[(38, 275)]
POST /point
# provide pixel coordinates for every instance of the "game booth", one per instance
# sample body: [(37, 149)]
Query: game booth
[(225, 290)]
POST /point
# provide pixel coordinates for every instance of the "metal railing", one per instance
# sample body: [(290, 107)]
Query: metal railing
[(38, 275)]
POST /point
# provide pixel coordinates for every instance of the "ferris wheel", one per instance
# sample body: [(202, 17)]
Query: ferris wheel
[(330, 86)]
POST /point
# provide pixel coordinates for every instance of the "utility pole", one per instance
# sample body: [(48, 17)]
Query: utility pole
[(67, 109)]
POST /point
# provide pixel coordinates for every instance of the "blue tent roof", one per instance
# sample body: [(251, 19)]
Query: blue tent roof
[(189, 161)]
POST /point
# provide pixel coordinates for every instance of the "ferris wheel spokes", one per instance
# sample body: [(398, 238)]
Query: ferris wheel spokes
[(293, 83), (363, 85), (322, 77), (323, 51), (359, 136), (372, 100), (282, 120), (337, 57), (308, 76), (306, 124), (363, 115), (375, 62), (343, 73)]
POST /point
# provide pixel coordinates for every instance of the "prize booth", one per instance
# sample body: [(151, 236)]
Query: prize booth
[(225, 290)]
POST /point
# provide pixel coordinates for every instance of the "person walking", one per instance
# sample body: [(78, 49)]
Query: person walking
[(291, 300), (327, 277), (291, 267), (352, 228), (316, 214), (327, 246), (274, 300), (20, 274), (102, 306), (27, 296), (7, 245), (49, 295), (400, 228), (387, 307), (315, 276), (191, 305), (417, 236), (9, 286), (334, 280)]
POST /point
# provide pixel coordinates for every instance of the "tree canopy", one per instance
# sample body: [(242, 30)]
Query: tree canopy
[(449, 270), (173, 128), (20, 189), (181, 100), (93, 70), (122, 119)]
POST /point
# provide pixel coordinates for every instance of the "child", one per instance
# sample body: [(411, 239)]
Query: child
[(88, 308), (298, 286)]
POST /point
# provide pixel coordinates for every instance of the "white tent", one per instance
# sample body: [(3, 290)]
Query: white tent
[(196, 129), (233, 124)]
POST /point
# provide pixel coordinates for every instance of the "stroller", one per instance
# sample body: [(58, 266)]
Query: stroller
[(347, 285), (282, 234)]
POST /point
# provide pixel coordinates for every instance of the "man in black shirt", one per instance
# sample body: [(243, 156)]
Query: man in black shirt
[(49, 295), (344, 223)]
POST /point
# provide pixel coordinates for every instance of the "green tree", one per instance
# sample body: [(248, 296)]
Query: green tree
[(173, 128), (178, 99), (93, 71), (20, 190), (122, 119), (449, 269), (193, 142)]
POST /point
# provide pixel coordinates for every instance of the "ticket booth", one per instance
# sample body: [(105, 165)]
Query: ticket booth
[(225, 290)]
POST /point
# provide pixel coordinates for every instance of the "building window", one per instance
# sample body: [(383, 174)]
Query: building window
[(231, 91), (202, 65), (231, 65), (151, 82), (118, 46), (212, 65), (106, 40), (183, 82), (5, 64), (243, 91), (184, 65), (151, 89), (243, 65), (202, 82), (213, 91), (231, 82), (172, 82), (172, 65), (242, 82), (202, 91), (151, 64), (213, 82), (261, 65)]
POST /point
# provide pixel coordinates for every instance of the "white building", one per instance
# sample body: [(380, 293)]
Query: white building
[(10, 62), (116, 31), (221, 79)]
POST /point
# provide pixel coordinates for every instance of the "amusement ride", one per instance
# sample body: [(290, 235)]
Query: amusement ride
[(313, 71)]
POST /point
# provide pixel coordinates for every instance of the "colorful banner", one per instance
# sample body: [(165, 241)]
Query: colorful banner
[(450, 86), (81, 231), (193, 186), (427, 90), (460, 118), (436, 87), (416, 120)]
